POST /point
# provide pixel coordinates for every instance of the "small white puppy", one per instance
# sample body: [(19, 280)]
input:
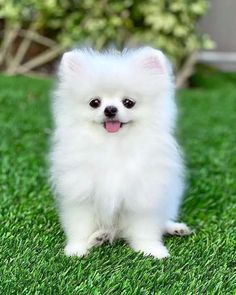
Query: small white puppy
[(115, 165)]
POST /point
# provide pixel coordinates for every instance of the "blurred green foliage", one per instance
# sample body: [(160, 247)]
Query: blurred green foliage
[(169, 25)]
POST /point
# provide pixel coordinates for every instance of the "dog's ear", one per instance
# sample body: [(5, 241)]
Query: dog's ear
[(153, 60), (70, 63)]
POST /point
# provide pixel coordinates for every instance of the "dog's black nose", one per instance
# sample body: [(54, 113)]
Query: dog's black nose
[(110, 111)]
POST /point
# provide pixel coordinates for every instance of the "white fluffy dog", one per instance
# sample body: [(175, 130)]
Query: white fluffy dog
[(115, 165)]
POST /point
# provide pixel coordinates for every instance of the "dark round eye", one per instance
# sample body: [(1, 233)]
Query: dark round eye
[(95, 102), (128, 103)]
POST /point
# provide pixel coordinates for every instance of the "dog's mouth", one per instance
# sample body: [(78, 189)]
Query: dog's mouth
[(112, 126)]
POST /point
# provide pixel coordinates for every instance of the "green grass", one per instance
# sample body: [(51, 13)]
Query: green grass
[(31, 249)]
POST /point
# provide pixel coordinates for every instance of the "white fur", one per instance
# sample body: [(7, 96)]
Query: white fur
[(130, 182)]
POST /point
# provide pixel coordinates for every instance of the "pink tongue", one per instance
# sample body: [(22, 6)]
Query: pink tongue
[(112, 126)]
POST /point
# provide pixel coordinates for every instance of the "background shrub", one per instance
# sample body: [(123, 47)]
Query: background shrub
[(169, 25)]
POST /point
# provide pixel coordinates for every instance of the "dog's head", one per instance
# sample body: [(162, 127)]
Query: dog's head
[(115, 91)]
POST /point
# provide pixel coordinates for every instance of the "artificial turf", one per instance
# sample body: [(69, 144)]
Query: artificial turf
[(31, 249)]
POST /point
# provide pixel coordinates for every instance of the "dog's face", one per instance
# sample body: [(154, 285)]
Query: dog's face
[(115, 91), (112, 112)]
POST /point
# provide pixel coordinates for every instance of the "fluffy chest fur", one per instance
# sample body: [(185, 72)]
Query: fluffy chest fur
[(115, 172)]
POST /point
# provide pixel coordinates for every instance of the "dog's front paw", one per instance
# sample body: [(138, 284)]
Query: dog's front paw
[(153, 248), (76, 249), (177, 229)]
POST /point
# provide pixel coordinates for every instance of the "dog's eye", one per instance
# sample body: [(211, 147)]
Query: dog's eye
[(128, 103), (95, 102)]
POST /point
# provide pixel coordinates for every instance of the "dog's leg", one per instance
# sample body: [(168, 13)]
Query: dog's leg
[(78, 224), (177, 229), (143, 234)]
